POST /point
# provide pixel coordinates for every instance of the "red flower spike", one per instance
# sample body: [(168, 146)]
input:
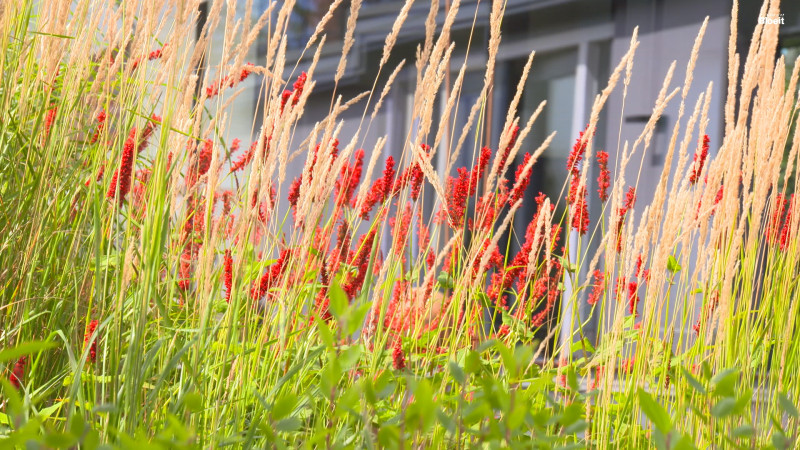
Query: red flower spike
[(92, 356), (101, 121), (294, 191), (580, 213), (576, 155), (298, 88), (18, 372), (380, 190), (598, 286), (398, 359), (349, 178), (269, 278), (604, 179), (520, 183), (787, 224), (360, 260), (122, 176), (235, 145), (214, 89), (228, 275), (699, 161), (774, 225), (49, 118)]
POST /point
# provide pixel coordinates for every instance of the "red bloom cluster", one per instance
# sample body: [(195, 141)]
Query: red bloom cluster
[(779, 227), (202, 164), (122, 175), (294, 192), (18, 372), (552, 294), (520, 182), (580, 212), (155, 54), (576, 196), (398, 358), (787, 224), (604, 179), (270, 277), (235, 145), (101, 121), (699, 161), (598, 286), (295, 93), (49, 118), (412, 176), (228, 275), (359, 258), (245, 159), (576, 155), (627, 365), (214, 89), (517, 269), (349, 178), (380, 189), (460, 188), (774, 225), (92, 356)]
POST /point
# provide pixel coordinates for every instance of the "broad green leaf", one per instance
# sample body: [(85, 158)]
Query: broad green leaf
[(284, 406), (654, 411), (288, 424), (725, 382), (723, 408), (457, 372), (787, 405), (193, 401), (26, 348), (339, 302), (694, 382), (743, 431)]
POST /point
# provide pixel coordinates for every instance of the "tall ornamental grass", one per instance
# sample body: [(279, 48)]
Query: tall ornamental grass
[(165, 281)]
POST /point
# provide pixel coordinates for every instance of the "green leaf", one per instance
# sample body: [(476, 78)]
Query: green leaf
[(457, 372), (725, 382), (288, 424), (284, 406), (672, 264), (779, 440), (654, 411), (350, 357), (743, 431), (26, 348), (193, 401), (509, 361), (583, 344), (787, 405), (339, 302), (694, 382), (59, 440), (723, 408), (445, 280)]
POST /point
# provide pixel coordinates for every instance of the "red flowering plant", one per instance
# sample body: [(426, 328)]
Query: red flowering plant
[(307, 269)]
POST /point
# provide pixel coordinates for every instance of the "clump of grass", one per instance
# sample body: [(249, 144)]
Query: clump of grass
[(162, 284)]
